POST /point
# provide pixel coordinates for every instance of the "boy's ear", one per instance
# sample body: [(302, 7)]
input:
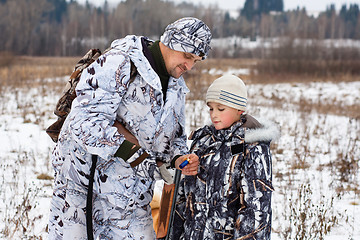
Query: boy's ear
[(240, 112)]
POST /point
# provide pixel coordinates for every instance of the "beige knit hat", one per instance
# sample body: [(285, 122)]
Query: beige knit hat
[(228, 90)]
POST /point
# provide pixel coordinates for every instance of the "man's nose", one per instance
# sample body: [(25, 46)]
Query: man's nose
[(189, 65)]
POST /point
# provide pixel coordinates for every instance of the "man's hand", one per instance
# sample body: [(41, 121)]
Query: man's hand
[(128, 136), (192, 167)]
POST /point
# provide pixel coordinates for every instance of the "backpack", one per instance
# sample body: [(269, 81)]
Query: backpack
[(63, 105)]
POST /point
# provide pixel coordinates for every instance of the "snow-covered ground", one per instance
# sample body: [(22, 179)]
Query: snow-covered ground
[(241, 42), (235, 44), (315, 161)]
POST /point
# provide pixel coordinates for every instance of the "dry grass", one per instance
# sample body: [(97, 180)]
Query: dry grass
[(23, 70), (200, 77), (294, 78), (226, 63), (27, 71), (17, 69)]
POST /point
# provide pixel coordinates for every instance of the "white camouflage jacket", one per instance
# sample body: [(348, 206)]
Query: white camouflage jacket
[(105, 94)]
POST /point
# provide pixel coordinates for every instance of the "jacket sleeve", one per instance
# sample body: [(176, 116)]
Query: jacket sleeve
[(178, 227), (254, 216), (93, 113), (179, 143)]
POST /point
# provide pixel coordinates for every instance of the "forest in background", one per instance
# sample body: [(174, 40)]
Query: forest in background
[(289, 42), (67, 28)]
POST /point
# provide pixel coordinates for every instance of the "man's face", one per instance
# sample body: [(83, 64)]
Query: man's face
[(177, 63)]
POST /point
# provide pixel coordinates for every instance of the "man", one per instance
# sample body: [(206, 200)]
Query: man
[(120, 118)]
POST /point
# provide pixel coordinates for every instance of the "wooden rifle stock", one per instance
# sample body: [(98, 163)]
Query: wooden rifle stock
[(167, 207)]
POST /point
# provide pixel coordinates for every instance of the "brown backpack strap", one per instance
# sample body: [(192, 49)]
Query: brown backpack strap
[(63, 105), (139, 159)]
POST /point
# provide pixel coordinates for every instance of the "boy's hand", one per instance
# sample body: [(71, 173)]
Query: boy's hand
[(192, 167)]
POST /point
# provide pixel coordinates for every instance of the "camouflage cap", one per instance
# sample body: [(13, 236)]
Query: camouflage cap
[(189, 35)]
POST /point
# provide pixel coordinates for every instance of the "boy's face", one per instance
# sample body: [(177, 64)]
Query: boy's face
[(223, 116)]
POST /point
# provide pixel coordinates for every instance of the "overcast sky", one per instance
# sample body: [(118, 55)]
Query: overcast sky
[(310, 5)]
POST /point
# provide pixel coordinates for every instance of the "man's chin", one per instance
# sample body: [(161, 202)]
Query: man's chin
[(178, 75), (177, 72)]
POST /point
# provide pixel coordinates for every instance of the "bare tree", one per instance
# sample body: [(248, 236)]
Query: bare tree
[(21, 22)]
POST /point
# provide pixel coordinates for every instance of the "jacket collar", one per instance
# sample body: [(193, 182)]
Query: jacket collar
[(220, 135), (269, 131), (131, 46)]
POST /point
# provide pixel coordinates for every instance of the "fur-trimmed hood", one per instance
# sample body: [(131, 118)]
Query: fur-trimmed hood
[(256, 130), (268, 132)]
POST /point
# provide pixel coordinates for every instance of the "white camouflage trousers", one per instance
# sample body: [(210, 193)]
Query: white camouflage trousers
[(121, 207)]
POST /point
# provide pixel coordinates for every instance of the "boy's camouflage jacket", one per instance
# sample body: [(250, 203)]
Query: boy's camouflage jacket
[(230, 198)]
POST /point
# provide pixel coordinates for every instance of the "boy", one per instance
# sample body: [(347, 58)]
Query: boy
[(230, 197)]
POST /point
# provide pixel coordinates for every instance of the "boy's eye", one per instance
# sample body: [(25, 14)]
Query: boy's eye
[(221, 109)]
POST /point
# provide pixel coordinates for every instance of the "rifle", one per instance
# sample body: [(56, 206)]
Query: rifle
[(167, 207)]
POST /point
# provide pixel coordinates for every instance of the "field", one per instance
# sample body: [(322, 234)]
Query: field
[(315, 161)]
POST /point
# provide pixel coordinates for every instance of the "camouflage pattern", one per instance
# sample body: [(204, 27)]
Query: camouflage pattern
[(188, 34), (230, 198), (122, 194)]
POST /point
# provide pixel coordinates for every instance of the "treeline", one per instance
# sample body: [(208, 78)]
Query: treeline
[(67, 28), (310, 58)]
